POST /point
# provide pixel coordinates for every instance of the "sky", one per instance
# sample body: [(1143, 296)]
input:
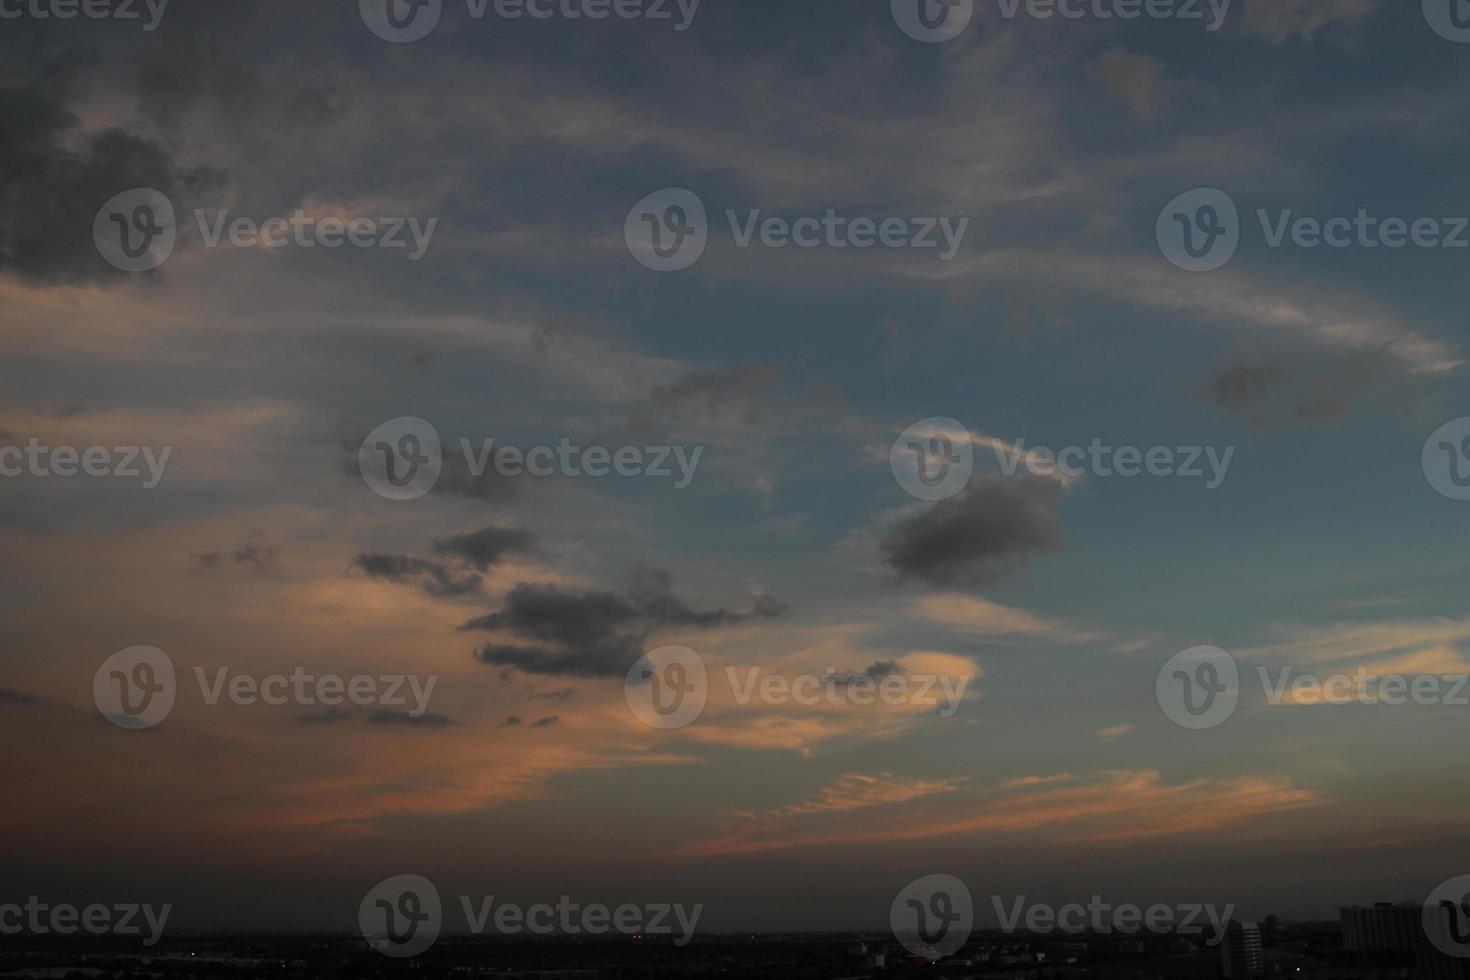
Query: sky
[(1058, 154)]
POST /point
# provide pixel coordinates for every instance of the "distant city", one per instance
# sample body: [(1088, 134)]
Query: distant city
[(1385, 941)]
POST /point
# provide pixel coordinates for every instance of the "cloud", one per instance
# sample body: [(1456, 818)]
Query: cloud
[(977, 536), (256, 552), (595, 634), (546, 722), (981, 617), (57, 176), (383, 716), (732, 395), (435, 579), (1112, 732), (10, 696), (485, 548), (1279, 20), (1287, 388), (1137, 79), (1103, 806)]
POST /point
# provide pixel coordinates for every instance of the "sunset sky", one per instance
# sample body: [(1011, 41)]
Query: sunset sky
[(793, 548)]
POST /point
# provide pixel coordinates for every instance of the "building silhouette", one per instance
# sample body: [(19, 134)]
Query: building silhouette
[(1241, 955)]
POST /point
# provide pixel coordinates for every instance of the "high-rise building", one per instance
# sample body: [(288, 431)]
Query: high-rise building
[(1384, 928), (1241, 955)]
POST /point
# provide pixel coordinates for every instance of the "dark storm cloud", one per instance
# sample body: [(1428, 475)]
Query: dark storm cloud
[(382, 716), (484, 548), (1287, 388), (435, 579), (511, 722), (53, 178), (14, 698), (975, 537), (595, 634), (546, 722)]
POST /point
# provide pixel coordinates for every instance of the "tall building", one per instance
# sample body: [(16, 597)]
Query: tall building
[(1384, 928), (1241, 955)]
